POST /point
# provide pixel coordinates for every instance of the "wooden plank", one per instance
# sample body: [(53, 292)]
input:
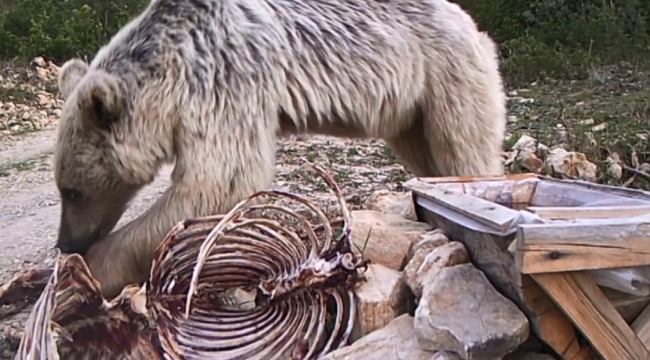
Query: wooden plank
[(511, 194), (485, 212), (548, 322), (590, 212), (543, 248), (465, 179), (583, 302), (641, 327), (629, 306), (606, 189)]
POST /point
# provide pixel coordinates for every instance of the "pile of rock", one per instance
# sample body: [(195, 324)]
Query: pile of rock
[(528, 155), (423, 299), (29, 98), (45, 70)]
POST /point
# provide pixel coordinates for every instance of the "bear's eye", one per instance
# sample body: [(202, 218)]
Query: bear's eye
[(71, 194)]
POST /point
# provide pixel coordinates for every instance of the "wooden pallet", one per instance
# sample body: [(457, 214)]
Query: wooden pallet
[(542, 266)]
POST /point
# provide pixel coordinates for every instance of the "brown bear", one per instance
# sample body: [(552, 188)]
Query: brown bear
[(211, 85)]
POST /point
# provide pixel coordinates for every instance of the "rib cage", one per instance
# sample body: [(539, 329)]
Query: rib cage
[(301, 268)]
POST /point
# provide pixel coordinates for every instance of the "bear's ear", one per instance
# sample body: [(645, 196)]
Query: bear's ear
[(70, 74), (101, 99)]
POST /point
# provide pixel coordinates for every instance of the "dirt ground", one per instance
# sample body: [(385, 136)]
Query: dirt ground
[(608, 112), (29, 203)]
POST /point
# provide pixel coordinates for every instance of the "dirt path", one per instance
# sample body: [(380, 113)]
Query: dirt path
[(29, 211), (29, 203)]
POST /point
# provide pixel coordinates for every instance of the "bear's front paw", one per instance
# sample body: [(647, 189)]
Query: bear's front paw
[(105, 265)]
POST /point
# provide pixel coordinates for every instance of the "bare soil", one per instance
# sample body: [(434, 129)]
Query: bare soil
[(609, 112), (29, 202)]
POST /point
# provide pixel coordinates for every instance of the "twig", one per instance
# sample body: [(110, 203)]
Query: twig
[(634, 171), (629, 181)]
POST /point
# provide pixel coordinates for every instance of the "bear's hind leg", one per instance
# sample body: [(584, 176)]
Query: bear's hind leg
[(464, 139), (464, 112), (412, 150), (459, 141)]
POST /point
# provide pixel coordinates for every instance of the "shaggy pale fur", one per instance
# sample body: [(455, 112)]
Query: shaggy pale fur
[(211, 84)]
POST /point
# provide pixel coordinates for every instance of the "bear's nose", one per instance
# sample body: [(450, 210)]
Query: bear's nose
[(66, 248)]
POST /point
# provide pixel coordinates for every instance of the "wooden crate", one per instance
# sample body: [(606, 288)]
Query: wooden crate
[(536, 238)]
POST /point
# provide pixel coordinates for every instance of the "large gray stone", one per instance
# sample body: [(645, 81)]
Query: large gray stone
[(395, 341), (460, 311), (428, 259), (382, 297), (385, 238), (392, 202)]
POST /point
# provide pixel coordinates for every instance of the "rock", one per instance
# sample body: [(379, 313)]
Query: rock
[(428, 261), (20, 113), (44, 100), (39, 61), (526, 355), (383, 297), (645, 167), (525, 143), (525, 156), (460, 311), (542, 151), (427, 242), (614, 166), (573, 164), (529, 161), (386, 237), (599, 127), (42, 73), (391, 202), (241, 298), (396, 341), (446, 355)]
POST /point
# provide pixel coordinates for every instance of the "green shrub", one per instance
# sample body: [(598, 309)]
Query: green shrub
[(61, 29), (563, 38), (556, 38)]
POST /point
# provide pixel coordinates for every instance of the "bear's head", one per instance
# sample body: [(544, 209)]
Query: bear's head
[(92, 170)]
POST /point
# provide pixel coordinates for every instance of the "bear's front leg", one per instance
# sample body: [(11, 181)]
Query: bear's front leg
[(125, 256), (215, 168), (113, 265)]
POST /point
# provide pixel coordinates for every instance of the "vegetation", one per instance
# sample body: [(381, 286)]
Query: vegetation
[(564, 38), (556, 38), (60, 29), (580, 63)]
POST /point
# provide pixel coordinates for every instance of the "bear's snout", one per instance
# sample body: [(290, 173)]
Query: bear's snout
[(69, 244)]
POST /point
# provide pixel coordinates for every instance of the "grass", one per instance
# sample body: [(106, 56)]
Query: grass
[(609, 112), (604, 112), (17, 94), (17, 166)]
